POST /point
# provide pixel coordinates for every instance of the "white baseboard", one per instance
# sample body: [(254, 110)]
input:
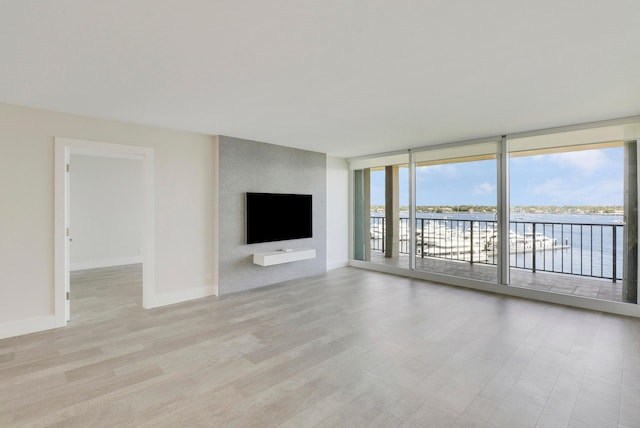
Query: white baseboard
[(182, 296), (95, 264), (337, 264), (26, 326)]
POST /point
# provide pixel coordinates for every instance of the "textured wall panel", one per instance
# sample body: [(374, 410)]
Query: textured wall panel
[(249, 166)]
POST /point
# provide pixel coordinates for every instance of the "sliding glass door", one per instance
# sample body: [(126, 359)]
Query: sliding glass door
[(568, 223), (456, 225)]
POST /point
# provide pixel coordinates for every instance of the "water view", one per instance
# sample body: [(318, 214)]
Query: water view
[(566, 228), (578, 244)]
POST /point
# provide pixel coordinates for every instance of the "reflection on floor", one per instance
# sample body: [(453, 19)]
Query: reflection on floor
[(557, 283)]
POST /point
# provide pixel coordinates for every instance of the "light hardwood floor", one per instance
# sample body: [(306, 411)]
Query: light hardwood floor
[(353, 348)]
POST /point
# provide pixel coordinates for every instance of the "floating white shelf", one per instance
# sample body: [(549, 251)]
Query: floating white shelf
[(283, 256)]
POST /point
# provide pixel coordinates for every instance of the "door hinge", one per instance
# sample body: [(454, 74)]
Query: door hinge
[(67, 231), (68, 167), (68, 295)]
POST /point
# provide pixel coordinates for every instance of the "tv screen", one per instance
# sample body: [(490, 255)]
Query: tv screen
[(278, 217)]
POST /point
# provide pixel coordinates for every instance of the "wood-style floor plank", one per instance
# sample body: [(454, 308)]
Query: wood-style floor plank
[(350, 348)]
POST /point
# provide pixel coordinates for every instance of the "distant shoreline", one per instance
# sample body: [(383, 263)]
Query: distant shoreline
[(479, 209)]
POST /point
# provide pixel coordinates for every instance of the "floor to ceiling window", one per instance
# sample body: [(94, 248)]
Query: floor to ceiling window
[(554, 212), (568, 232), (381, 220), (455, 212)]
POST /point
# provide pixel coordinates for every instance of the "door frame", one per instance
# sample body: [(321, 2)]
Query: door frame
[(64, 147)]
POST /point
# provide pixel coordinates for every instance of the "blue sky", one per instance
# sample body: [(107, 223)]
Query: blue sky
[(589, 177)]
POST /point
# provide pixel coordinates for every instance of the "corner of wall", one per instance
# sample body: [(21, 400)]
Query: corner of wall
[(183, 296), (337, 212), (215, 277)]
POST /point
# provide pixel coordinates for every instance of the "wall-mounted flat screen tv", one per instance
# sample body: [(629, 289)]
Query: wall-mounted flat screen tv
[(278, 217)]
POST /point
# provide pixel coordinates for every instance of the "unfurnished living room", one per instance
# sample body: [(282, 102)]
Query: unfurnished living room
[(319, 213)]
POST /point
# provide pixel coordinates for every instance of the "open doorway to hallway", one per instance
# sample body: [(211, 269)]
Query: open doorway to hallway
[(64, 148), (105, 233)]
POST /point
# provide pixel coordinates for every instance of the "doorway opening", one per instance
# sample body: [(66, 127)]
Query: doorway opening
[(65, 148), (105, 239)]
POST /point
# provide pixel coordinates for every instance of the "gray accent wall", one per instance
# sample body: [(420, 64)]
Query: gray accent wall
[(250, 166)]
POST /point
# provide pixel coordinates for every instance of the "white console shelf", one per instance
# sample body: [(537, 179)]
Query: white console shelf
[(283, 256)]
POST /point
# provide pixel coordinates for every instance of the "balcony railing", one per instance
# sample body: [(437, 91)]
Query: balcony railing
[(584, 249)]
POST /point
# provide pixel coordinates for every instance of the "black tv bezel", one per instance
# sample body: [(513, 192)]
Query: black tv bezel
[(278, 237)]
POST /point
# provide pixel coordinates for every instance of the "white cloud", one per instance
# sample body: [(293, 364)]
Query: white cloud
[(484, 188), (564, 192), (548, 186), (446, 169), (586, 162), (439, 172), (538, 158)]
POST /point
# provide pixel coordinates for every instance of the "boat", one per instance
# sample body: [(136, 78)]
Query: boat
[(477, 243), (526, 242)]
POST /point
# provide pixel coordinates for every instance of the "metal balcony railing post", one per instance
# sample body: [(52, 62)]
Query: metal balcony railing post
[(534, 249), (422, 239), (471, 243), (614, 262)]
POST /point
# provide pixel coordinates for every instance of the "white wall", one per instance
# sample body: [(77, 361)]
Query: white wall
[(185, 210), (105, 211), (337, 212)]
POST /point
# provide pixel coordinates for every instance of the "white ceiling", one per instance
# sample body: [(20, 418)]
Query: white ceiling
[(344, 77)]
